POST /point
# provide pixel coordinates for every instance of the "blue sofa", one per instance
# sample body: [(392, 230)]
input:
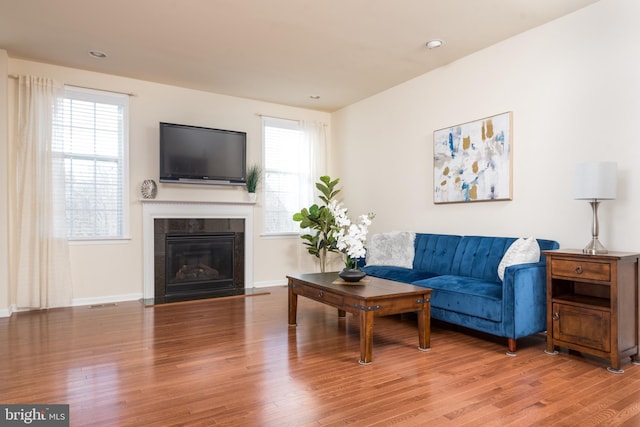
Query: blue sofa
[(462, 271)]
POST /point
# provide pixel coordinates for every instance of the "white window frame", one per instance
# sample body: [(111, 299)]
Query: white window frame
[(302, 176), (122, 100)]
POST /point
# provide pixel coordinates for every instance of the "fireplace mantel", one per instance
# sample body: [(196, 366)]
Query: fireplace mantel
[(154, 208)]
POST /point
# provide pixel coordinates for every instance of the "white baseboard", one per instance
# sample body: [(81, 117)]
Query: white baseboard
[(76, 302), (105, 300), (134, 297), (268, 284), (7, 312)]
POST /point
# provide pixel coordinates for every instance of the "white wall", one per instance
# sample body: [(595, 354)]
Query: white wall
[(573, 86), (103, 272)]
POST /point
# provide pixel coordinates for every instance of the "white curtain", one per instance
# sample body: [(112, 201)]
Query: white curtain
[(39, 258), (316, 136)]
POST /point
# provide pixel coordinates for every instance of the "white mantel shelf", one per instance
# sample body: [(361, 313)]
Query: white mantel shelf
[(196, 202), (157, 209)]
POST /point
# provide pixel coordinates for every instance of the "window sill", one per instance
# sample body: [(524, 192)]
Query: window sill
[(106, 241)]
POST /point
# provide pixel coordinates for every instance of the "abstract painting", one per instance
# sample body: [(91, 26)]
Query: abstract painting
[(472, 161)]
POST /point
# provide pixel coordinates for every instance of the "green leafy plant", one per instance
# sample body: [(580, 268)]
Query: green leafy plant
[(254, 175), (320, 221)]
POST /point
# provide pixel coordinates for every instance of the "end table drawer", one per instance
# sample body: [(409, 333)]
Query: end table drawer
[(577, 269)]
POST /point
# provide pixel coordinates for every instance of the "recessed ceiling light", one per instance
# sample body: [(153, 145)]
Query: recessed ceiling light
[(434, 44), (97, 54), (314, 96)]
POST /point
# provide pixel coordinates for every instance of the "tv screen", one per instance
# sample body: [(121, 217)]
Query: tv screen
[(193, 154)]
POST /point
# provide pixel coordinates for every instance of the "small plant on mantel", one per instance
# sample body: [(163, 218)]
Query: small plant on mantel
[(254, 175)]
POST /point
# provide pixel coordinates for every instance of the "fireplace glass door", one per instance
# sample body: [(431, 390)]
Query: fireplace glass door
[(199, 263)]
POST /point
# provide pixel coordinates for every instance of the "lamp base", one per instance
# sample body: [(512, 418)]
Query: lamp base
[(595, 247)]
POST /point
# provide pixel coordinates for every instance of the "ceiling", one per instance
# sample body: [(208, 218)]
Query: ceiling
[(281, 51)]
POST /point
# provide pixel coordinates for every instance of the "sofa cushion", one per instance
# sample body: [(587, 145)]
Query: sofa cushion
[(399, 274), (394, 249), (478, 257), (434, 252), (522, 251), (473, 297)]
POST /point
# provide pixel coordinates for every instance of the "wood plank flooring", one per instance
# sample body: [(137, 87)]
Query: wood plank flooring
[(236, 362)]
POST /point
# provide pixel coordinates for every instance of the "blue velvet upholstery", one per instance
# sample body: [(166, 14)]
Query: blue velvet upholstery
[(399, 274), (463, 273), (478, 257), (434, 252), (466, 295)]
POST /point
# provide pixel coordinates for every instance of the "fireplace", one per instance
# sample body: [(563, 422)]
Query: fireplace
[(198, 257), (175, 221), (200, 263)]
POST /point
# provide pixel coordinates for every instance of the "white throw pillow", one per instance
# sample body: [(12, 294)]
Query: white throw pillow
[(393, 249), (522, 251)]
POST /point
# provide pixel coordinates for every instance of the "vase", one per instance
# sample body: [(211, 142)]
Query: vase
[(149, 189), (252, 197), (351, 274)]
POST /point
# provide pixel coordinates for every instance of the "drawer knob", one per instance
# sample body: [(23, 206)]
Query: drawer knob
[(556, 315), (579, 269), (321, 294)]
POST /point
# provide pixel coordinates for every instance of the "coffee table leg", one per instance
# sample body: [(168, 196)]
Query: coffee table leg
[(424, 327), (366, 337), (293, 305)]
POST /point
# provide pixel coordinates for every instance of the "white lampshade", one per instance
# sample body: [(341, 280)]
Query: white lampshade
[(595, 180)]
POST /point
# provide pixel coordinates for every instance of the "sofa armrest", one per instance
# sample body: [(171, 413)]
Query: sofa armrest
[(525, 299)]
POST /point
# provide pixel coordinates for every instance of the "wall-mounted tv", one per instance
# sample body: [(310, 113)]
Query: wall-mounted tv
[(200, 155)]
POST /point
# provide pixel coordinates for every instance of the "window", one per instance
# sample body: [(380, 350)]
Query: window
[(288, 186), (93, 136)]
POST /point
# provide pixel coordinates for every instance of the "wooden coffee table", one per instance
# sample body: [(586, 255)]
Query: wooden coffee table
[(369, 298)]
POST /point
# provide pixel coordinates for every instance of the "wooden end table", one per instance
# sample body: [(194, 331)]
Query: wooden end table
[(371, 297), (592, 304)]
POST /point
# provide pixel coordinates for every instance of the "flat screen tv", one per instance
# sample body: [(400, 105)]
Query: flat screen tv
[(200, 155)]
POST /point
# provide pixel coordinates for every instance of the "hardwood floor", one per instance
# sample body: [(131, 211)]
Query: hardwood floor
[(237, 362)]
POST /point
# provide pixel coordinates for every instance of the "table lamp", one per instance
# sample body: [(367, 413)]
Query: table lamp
[(595, 181)]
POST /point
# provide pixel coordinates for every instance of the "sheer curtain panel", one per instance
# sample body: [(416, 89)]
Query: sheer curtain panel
[(316, 135), (40, 272), (294, 159)]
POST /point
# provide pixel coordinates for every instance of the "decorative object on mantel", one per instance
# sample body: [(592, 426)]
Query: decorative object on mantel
[(595, 181), (149, 189), (472, 161), (254, 175), (350, 240)]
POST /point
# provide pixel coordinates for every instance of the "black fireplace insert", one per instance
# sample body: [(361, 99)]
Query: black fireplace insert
[(198, 258)]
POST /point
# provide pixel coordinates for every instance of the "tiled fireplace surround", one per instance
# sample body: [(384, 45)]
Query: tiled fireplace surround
[(162, 209)]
